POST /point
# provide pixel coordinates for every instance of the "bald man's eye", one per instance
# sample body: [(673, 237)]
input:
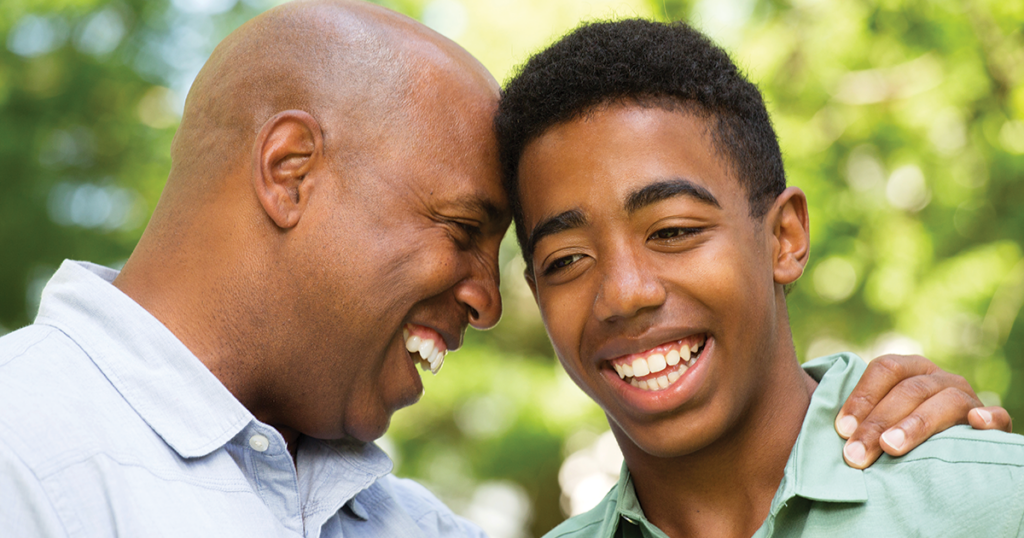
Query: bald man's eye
[(465, 232), (562, 263)]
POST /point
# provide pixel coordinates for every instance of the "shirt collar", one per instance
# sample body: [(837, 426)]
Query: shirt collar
[(168, 386), (815, 469)]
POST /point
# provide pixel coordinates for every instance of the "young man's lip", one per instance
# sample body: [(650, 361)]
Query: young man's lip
[(621, 347), (682, 390)]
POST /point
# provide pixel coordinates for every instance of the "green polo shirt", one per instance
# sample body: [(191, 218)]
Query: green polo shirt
[(960, 483)]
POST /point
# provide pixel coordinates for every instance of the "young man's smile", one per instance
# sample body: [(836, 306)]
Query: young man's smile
[(651, 274)]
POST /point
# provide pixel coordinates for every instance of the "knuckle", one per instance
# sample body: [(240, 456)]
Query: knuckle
[(889, 365), (957, 396), (915, 423), (860, 403), (917, 387)]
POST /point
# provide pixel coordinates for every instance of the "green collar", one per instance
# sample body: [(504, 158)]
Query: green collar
[(815, 469)]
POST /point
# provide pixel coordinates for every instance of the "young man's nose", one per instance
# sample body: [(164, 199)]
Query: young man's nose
[(626, 289)]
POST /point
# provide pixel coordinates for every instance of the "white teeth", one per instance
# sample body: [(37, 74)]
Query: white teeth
[(436, 362), (656, 362), (431, 355), (426, 348), (678, 361)]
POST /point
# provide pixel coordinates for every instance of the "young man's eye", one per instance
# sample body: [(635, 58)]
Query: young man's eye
[(673, 233), (562, 263)]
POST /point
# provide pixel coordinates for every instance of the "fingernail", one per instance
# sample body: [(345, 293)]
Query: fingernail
[(846, 425), (895, 438), (985, 415), (855, 453)]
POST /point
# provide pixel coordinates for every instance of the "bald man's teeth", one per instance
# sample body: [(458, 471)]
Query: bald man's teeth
[(670, 364), (425, 350)]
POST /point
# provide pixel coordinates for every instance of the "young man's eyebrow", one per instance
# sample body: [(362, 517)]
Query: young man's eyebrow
[(667, 188), (568, 220)]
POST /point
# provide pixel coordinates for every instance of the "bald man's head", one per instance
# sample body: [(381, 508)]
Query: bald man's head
[(334, 188), (355, 67)]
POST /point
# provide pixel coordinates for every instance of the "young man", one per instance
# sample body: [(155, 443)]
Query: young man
[(650, 202)]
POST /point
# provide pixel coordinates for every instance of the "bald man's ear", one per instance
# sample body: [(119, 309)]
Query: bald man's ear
[(287, 147)]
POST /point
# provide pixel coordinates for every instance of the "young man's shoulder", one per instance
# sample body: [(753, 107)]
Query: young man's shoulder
[(960, 483), (963, 446), (957, 468)]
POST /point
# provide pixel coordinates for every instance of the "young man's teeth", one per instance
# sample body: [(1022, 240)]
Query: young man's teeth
[(412, 343), (677, 361), (656, 363)]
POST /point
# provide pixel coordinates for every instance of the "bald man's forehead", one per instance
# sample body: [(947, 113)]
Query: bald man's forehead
[(364, 72)]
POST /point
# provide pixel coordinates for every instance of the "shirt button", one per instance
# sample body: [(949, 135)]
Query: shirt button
[(259, 443)]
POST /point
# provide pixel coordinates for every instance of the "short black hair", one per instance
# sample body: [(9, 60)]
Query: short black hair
[(652, 64)]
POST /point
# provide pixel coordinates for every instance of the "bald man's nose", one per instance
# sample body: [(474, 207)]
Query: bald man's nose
[(480, 295)]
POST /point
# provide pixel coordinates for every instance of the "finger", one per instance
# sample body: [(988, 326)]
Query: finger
[(936, 414), (990, 418), (881, 375), (903, 405)]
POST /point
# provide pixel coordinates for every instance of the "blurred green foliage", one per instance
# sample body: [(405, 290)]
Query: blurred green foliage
[(903, 120)]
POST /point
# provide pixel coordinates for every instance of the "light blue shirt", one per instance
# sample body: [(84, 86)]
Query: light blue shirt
[(110, 426)]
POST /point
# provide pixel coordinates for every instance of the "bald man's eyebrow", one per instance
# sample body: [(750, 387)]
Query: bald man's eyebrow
[(665, 189), (574, 218), (481, 206)]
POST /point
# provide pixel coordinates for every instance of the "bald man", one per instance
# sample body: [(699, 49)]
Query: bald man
[(331, 219)]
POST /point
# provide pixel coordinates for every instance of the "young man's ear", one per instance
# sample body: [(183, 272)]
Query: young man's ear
[(792, 237), (286, 150)]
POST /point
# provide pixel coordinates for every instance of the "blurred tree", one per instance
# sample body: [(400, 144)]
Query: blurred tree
[(903, 120)]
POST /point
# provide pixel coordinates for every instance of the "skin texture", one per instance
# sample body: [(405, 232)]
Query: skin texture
[(334, 179)]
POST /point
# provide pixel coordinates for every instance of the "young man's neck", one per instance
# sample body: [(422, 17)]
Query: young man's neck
[(726, 488)]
